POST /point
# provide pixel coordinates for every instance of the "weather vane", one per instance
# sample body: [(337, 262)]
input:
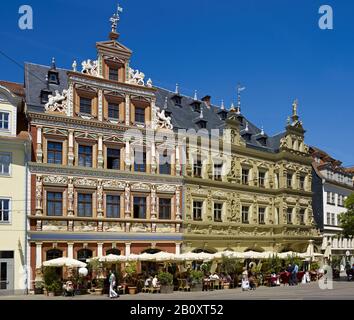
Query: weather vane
[(240, 88), (115, 18)]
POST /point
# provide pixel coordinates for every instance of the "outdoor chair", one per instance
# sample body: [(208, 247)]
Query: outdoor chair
[(217, 284), (145, 289), (186, 286), (153, 289)]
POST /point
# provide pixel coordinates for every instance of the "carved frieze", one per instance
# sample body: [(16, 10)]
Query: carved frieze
[(55, 180), (113, 227), (83, 226), (166, 188), (140, 186), (84, 182), (113, 184), (54, 225)]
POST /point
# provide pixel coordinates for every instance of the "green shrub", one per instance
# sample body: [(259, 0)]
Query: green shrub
[(51, 278), (196, 276), (165, 278)]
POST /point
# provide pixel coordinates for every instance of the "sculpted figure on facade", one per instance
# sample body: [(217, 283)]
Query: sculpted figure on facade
[(136, 77), (127, 197), (162, 121), (90, 67), (57, 102)]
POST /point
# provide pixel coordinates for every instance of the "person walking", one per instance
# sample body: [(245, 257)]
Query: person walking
[(112, 284), (289, 271), (294, 273)]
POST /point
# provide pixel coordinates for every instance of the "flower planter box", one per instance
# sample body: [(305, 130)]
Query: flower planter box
[(166, 289), (132, 290), (51, 294), (38, 291)]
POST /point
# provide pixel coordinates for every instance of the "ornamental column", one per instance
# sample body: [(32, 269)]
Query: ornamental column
[(178, 248), (39, 150), (153, 157), (128, 160), (100, 152), (38, 255), (127, 109), (39, 194), (99, 249), (71, 156), (100, 106), (70, 196), (127, 213), (127, 248), (71, 250)]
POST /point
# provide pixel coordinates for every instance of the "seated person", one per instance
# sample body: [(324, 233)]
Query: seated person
[(155, 282), (68, 288), (214, 276), (148, 282)]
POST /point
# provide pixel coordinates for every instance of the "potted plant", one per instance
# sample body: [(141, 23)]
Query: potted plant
[(196, 280), (52, 281), (131, 277), (99, 286), (166, 282), (38, 287)]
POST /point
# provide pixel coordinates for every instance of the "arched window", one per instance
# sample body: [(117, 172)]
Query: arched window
[(113, 251), (84, 254), (151, 251), (54, 254)]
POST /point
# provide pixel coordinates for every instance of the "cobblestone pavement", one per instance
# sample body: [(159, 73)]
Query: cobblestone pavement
[(311, 291)]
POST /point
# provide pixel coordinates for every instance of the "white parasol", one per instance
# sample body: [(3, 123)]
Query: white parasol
[(64, 262)]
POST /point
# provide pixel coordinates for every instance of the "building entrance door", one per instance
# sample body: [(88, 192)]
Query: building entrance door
[(6, 276)]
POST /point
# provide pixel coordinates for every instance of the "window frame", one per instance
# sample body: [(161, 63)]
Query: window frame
[(197, 166), (140, 167), (261, 221), (289, 213), (3, 174), (169, 205), (302, 213), (9, 211), (85, 98), (118, 157), (85, 203), (79, 155), (244, 213), (55, 202), (145, 205), (110, 105), (2, 120), (196, 210), (55, 152), (245, 178), (216, 210), (261, 179), (113, 205), (140, 113), (217, 171)]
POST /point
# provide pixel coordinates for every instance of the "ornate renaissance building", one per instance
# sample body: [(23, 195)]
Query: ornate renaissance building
[(96, 188), (120, 166)]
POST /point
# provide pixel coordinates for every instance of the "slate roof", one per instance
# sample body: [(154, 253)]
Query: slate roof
[(182, 117)]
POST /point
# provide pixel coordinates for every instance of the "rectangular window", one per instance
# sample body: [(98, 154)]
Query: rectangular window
[(328, 197), (4, 121), (113, 206), (54, 152), (217, 172), (302, 216), (245, 211), (197, 168), (245, 173), (139, 161), (333, 198), (140, 207), (113, 110), (4, 210), (85, 105), (113, 74), (85, 156), (84, 205), (328, 218), (165, 163), (333, 219), (261, 215), (5, 162), (261, 179), (54, 204), (113, 159), (218, 212), (164, 208), (197, 210), (289, 216), (289, 180), (302, 182), (140, 115)]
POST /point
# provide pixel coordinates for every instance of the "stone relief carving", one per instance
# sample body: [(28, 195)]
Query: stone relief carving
[(55, 180), (113, 184), (127, 197), (54, 226), (90, 67), (166, 188), (84, 182), (140, 186), (113, 227), (58, 102), (137, 77), (85, 226)]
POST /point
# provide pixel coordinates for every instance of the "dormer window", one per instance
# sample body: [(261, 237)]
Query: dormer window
[(44, 95), (177, 99), (53, 77), (247, 136), (262, 140), (222, 114), (201, 123), (196, 106)]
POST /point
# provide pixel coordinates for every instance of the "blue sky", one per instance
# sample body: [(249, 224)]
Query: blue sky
[(274, 47)]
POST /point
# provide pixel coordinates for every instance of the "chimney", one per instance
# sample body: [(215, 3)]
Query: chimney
[(207, 100)]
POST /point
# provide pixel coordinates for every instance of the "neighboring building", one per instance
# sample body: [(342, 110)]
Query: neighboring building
[(14, 145), (331, 185), (89, 196), (258, 197)]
